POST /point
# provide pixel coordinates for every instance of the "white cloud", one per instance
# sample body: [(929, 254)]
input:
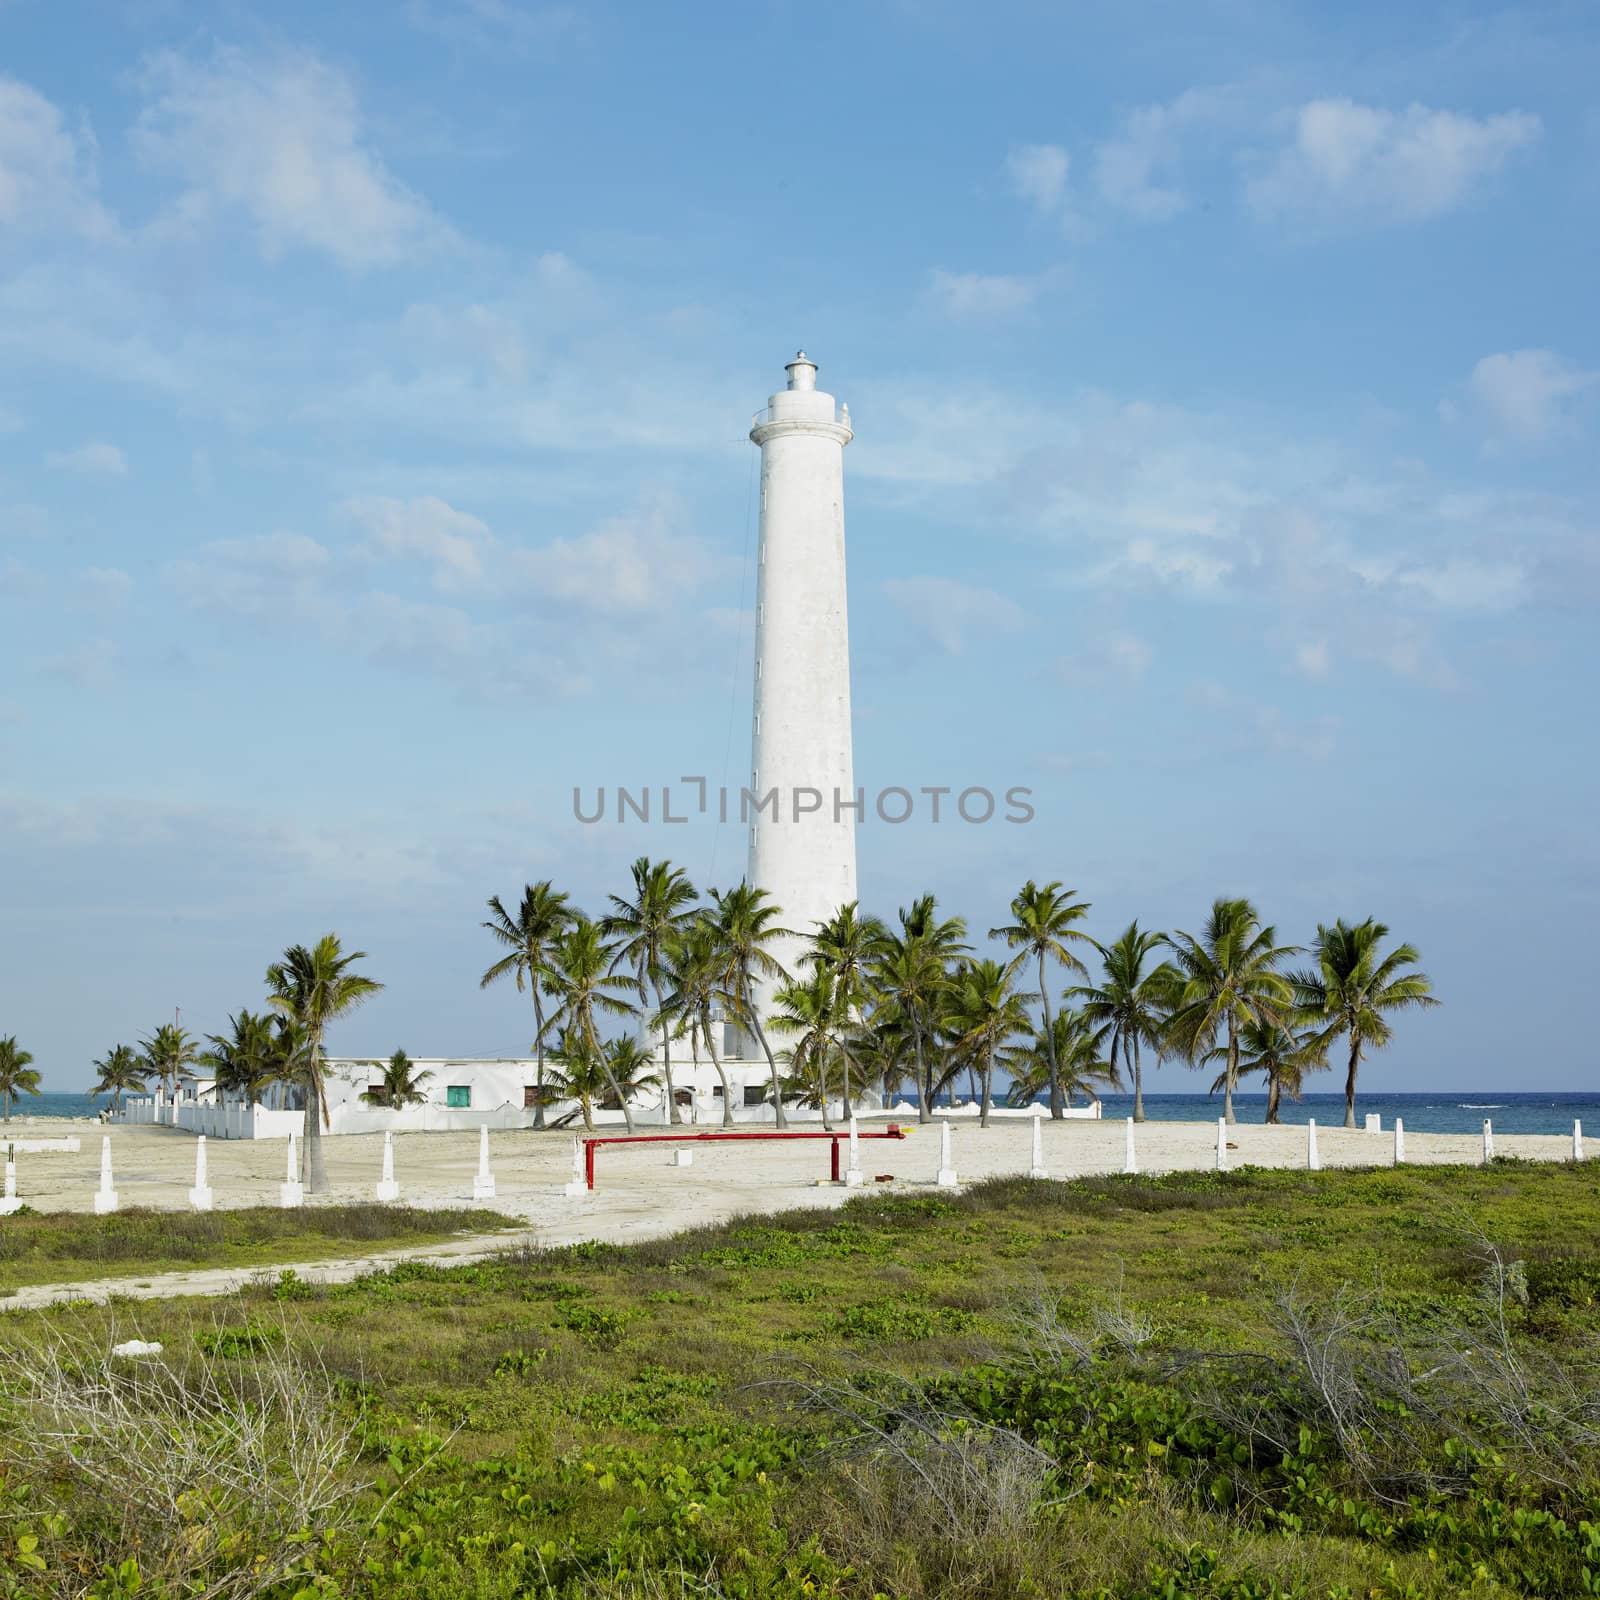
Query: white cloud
[(964, 295), (93, 460), (1312, 658), (1523, 392), (495, 25), (1107, 657), (104, 587), (23, 522), (948, 611), (47, 172), (1132, 170), (281, 139), (1038, 174), (89, 666), (428, 528), (627, 566), (1346, 161)]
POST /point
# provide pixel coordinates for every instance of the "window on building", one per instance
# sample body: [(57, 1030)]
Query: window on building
[(755, 1094), (378, 1093), (716, 1093), (530, 1096), (458, 1096)]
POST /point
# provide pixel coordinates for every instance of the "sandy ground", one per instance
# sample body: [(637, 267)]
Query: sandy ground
[(639, 1193)]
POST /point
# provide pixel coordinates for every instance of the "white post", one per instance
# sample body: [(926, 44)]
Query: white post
[(1577, 1140), (1037, 1169), (1399, 1141), (1222, 1144), (1488, 1141), (200, 1197), (10, 1204), (946, 1176), (105, 1198), (576, 1186), (853, 1177), (483, 1183), (388, 1190), (1130, 1162), (1313, 1158), (291, 1192)]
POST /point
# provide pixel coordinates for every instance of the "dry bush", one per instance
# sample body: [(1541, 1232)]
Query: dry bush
[(1391, 1395), (220, 1479)]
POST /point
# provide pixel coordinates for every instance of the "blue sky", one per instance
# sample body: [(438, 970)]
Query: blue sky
[(373, 391)]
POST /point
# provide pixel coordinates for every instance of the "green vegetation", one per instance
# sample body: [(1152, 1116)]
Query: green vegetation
[(1211, 1386), (18, 1075), (66, 1247)]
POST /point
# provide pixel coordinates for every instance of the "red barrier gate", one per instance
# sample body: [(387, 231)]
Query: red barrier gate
[(894, 1131)]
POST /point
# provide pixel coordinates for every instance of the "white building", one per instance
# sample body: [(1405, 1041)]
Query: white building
[(805, 808)]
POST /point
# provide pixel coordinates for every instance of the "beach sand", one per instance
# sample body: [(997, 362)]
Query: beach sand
[(639, 1194)]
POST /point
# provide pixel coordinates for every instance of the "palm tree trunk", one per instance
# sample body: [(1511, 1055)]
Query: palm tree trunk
[(1138, 1082), (1233, 1069), (987, 1081), (1274, 1090), (313, 1170), (844, 1056), (924, 1108), (666, 1064), (591, 1039), (1057, 1107), (1350, 1080), (822, 1090), (716, 1061), (538, 1052), (766, 1050), (588, 1112)]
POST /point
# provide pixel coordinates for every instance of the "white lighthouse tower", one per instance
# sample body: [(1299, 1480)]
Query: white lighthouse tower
[(804, 812)]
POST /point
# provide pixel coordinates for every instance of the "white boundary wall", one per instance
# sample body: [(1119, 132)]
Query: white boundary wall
[(495, 1096)]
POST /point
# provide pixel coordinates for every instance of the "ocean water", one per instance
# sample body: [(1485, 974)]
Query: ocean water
[(1510, 1112), (53, 1104), (1422, 1113)]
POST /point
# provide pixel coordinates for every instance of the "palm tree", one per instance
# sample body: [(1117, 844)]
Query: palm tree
[(662, 898), (120, 1073), (581, 982), (17, 1075), (1073, 1054), (746, 921), (249, 1058), (1281, 1056), (529, 938), (313, 987), (1041, 926), (616, 1071), (694, 967), (910, 978), (1353, 986), (842, 946), (167, 1052), (576, 1073), (1127, 1009), (1226, 978), (808, 1010), (401, 1084), (984, 1013)]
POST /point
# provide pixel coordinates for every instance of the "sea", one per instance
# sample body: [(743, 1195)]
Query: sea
[(1435, 1112), (1422, 1113)]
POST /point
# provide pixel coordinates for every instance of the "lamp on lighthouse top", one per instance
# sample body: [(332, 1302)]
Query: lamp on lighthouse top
[(802, 371)]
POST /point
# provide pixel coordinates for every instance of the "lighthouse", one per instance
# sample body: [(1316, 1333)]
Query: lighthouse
[(804, 806)]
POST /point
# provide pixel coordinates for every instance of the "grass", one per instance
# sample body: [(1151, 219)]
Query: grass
[(68, 1247), (631, 1421)]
